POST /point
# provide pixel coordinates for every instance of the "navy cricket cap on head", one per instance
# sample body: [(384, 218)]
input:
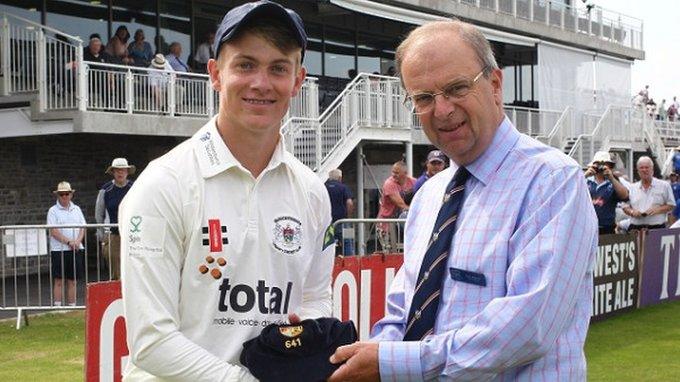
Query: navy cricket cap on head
[(240, 16), (297, 353)]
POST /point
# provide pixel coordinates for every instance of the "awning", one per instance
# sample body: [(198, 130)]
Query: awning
[(418, 18)]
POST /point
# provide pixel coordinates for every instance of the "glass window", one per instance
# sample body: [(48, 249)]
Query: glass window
[(28, 9), (314, 48), (375, 54), (339, 57), (134, 15), (176, 25), (79, 18), (508, 84)]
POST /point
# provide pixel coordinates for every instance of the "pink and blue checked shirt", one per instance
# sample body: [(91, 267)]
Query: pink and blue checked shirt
[(528, 225)]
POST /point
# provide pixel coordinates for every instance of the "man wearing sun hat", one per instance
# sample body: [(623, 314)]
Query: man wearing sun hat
[(106, 210), (66, 248), (605, 190), (228, 232)]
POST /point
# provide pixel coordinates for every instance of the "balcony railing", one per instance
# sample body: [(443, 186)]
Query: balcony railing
[(593, 21)]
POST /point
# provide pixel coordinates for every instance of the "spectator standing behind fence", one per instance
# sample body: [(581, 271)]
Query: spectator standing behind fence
[(605, 191), (650, 198), (342, 205), (436, 162), (106, 209), (174, 58), (66, 248), (140, 50), (392, 204), (674, 178), (204, 52)]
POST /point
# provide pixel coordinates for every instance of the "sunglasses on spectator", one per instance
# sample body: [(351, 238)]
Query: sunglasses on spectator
[(63, 193)]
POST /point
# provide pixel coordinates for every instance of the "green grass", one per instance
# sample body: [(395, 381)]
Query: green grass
[(51, 348), (640, 346)]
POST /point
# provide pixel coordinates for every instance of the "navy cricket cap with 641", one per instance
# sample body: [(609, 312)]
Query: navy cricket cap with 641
[(236, 18), (297, 353)]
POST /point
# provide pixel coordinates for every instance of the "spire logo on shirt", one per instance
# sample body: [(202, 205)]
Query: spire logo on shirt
[(287, 234), (215, 235)]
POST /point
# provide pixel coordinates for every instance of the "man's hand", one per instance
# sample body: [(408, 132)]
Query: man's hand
[(361, 362), (590, 171), (294, 319), (608, 173)]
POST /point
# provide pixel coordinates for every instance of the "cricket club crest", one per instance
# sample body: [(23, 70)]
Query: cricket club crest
[(287, 234)]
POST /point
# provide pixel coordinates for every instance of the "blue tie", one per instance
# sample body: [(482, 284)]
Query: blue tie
[(426, 296)]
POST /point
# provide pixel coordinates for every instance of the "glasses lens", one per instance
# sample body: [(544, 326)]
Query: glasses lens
[(64, 193)]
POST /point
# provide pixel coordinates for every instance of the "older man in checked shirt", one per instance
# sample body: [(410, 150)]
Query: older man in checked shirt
[(514, 300)]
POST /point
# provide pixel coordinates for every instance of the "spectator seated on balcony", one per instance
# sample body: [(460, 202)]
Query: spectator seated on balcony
[(117, 52), (174, 58), (100, 79), (140, 50), (159, 83), (123, 34), (204, 53), (94, 52)]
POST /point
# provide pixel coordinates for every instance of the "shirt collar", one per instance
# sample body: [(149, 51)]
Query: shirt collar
[(67, 208), (214, 156), (484, 167)]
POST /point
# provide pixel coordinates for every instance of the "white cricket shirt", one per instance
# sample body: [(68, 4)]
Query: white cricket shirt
[(211, 255)]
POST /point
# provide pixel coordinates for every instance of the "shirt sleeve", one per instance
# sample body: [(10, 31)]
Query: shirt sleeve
[(51, 217), (670, 197), (551, 256), (100, 208), (391, 188), (152, 212), (316, 292)]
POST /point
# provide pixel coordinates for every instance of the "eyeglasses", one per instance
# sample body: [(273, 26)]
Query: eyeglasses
[(422, 103), (63, 193)]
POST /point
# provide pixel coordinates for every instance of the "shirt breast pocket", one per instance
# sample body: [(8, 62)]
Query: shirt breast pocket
[(658, 197)]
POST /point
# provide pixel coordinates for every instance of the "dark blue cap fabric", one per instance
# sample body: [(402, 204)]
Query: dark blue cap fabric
[(297, 353), (241, 15)]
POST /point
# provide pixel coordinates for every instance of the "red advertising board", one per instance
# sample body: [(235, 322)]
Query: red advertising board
[(105, 346), (360, 286)]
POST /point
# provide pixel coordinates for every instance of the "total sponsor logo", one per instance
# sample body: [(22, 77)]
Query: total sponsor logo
[(243, 298)]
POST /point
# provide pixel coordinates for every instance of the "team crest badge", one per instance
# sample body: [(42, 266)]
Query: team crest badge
[(287, 234), (291, 331)]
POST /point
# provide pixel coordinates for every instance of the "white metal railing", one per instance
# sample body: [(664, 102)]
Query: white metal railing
[(34, 56), (533, 122), (652, 137), (594, 21), (618, 123), (369, 100), (668, 131), (562, 130)]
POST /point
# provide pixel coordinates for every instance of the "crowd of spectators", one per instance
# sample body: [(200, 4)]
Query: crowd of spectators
[(661, 111)]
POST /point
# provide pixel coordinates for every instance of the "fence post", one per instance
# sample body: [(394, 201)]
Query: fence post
[(547, 12), (514, 7), (83, 85), (172, 88), (129, 92), (531, 9), (5, 53), (41, 71), (209, 98)]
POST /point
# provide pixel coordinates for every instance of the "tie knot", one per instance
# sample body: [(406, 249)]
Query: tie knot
[(461, 176)]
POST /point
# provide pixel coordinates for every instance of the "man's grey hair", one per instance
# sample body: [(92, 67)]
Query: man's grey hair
[(645, 158), (335, 174), (467, 32)]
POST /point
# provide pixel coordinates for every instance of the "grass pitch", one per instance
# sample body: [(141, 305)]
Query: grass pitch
[(50, 348), (639, 346)]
